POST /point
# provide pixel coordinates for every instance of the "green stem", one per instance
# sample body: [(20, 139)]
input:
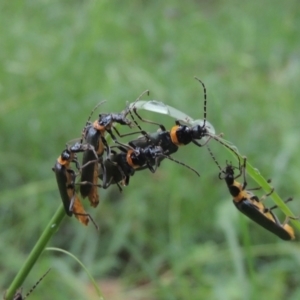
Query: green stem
[(39, 247)]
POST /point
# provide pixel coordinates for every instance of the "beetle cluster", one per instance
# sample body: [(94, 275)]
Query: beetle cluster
[(103, 164)]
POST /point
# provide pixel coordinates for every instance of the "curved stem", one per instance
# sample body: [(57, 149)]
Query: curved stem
[(39, 247)]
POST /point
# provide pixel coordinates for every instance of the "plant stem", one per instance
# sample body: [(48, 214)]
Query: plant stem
[(39, 247)]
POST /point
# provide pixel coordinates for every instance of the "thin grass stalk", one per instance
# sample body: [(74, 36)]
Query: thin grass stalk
[(39, 247)]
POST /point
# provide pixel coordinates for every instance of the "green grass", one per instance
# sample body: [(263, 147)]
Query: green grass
[(175, 233)]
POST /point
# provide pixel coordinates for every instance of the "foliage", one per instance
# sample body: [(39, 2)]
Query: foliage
[(176, 234)]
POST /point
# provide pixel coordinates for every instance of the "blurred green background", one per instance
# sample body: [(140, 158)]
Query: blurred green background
[(169, 235)]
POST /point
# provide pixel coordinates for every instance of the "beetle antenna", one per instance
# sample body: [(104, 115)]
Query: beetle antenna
[(205, 101), (181, 163), (36, 284), (214, 158)]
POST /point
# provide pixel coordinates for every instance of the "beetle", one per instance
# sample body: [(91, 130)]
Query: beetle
[(130, 159), (94, 134), (178, 135), (66, 177), (252, 206)]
